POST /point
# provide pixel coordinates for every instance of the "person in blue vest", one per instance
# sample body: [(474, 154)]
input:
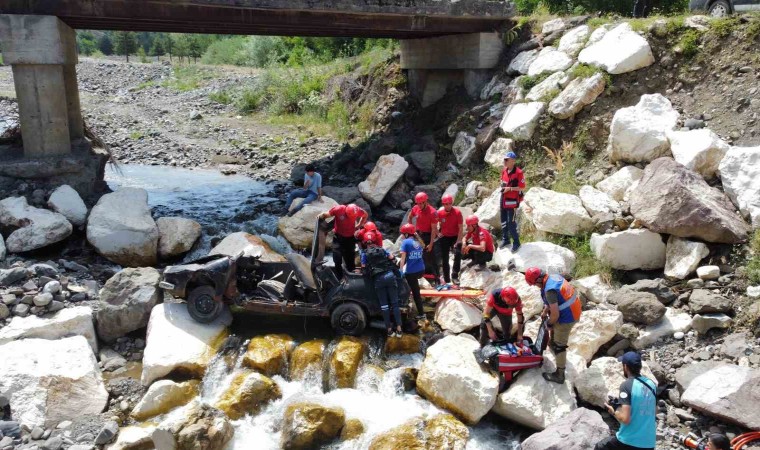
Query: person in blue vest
[(562, 310), (636, 410)]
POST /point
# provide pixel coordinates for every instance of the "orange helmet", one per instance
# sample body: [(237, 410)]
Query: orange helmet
[(408, 228), (509, 295), (370, 226), (352, 211), (533, 274), (369, 238), (472, 220), (447, 199), (420, 198)]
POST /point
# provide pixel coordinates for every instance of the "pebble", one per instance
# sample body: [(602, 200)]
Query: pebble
[(55, 306), (54, 443), (8, 299), (4, 311), (43, 299), (708, 272), (107, 433), (37, 433), (21, 310), (678, 335), (29, 286), (78, 297), (694, 124), (695, 283)]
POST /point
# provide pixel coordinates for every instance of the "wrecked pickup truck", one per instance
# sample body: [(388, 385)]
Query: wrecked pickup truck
[(300, 286)]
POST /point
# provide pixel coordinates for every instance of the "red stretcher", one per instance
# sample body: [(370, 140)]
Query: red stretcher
[(509, 364)]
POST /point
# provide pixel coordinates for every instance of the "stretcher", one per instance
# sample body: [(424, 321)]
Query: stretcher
[(452, 293)]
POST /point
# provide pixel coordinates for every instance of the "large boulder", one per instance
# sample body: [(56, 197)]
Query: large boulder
[(603, 378), (463, 148), (551, 257), (630, 249), (496, 152), (573, 41), (576, 95), (35, 227), (66, 201), (689, 372), (456, 316), (121, 228), (597, 202), (682, 257), (248, 393), (310, 425), (699, 150), (388, 170), (76, 321), (619, 182), (579, 430), (639, 307), (306, 360), (133, 437), (620, 50), (730, 393), (269, 354), (451, 378), (549, 60), (672, 199), (249, 245), (672, 322), (489, 211), (640, 133), (343, 195), (702, 323), (176, 235), (555, 212), (530, 295), (521, 63), (49, 381), (344, 363), (596, 328), (594, 288), (520, 120), (656, 287), (703, 301), (199, 427), (740, 174), (163, 396), (548, 88), (298, 229), (443, 431), (176, 343), (126, 301), (477, 278)]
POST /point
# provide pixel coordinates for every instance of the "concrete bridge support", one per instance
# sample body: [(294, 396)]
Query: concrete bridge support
[(436, 64)]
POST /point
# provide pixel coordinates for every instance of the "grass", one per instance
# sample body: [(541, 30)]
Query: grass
[(145, 85), (549, 95), (136, 135), (753, 29), (689, 43), (753, 265), (224, 97), (723, 27), (527, 82), (187, 78)]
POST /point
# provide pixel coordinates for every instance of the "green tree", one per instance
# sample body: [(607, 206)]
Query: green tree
[(193, 48), (141, 54), (158, 49), (105, 45), (86, 43), (126, 43), (181, 46), (169, 45)]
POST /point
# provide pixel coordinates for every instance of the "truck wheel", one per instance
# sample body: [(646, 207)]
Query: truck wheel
[(348, 318), (720, 8), (202, 306)]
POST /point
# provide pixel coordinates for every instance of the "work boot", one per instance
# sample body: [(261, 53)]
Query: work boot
[(504, 244), (558, 376), (515, 247)]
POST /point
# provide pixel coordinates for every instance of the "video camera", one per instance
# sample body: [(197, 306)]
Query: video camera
[(614, 402)]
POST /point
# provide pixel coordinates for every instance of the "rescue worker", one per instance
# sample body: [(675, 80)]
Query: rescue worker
[(450, 237), (501, 302), (478, 246), (369, 227), (562, 310), (381, 267), (425, 219), (347, 218), (411, 257), (512, 186)]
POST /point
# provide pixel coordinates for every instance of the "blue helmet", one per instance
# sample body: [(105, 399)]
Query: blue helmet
[(510, 155)]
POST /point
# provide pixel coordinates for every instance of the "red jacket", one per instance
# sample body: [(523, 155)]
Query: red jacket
[(515, 178), (343, 225)]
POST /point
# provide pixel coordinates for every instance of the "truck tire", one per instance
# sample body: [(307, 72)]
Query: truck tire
[(720, 8), (348, 318), (202, 305)]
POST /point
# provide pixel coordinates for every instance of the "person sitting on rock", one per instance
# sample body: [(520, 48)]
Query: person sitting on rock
[(501, 302), (412, 264), (312, 190), (369, 227), (451, 235), (382, 269), (562, 310), (425, 219), (636, 410), (478, 243), (347, 219)]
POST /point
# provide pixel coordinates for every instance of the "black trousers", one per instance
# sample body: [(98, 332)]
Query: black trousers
[(506, 327), (445, 245), (612, 443), (429, 257), (478, 257), (344, 250), (414, 284)]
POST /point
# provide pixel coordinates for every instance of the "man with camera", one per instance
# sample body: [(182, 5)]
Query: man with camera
[(635, 409)]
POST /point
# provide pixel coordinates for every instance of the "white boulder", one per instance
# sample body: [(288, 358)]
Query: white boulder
[(162, 396), (597, 202), (553, 26), (620, 50), (673, 322), (620, 182), (249, 245), (578, 94), (520, 120), (533, 402), (476, 278), (702, 323), (456, 316), (489, 211), (596, 328), (555, 212), (298, 229), (76, 321), (640, 133), (630, 249), (547, 88), (388, 170), (708, 273), (451, 378), (176, 342), (740, 174), (683, 256), (50, 381), (603, 378), (551, 257), (176, 235), (66, 201), (549, 60), (121, 228), (699, 150), (594, 288), (497, 150), (573, 41), (133, 437), (521, 63), (463, 148), (598, 34), (36, 228)]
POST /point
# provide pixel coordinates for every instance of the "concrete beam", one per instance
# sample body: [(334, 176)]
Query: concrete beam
[(36, 40), (465, 51)]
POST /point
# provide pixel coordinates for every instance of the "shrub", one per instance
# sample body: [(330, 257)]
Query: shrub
[(222, 97), (528, 82), (753, 265), (689, 43)]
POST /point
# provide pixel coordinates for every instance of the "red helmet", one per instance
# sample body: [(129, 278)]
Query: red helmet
[(352, 211), (533, 274), (447, 199), (442, 213), (420, 198), (509, 295), (370, 226), (408, 228), (472, 220), (369, 238)]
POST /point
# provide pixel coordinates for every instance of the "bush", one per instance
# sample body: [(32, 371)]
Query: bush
[(222, 97), (528, 82), (689, 43), (753, 265)]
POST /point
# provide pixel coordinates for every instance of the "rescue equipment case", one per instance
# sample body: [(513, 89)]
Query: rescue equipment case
[(508, 363)]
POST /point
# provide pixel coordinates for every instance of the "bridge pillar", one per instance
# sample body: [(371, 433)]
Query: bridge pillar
[(436, 64), (42, 53)]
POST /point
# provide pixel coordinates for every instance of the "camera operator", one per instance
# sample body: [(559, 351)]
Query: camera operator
[(717, 441), (635, 411)]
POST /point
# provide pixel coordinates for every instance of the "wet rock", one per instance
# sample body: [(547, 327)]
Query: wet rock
[(683, 256), (306, 359), (442, 431), (728, 392), (121, 228), (269, 354), (351, 430), (406, 344), (703, 323), (704, 301), (299, 228), (549, 60), (577, 95), (672, 199), (67, 322), (619, 50), (520, 120), (630, 249), (163, 396), (673, 322), (740, 176), (247, 243), (35, 228), (452, 379), (579, 430), (40, 375), (551, 257), (176, 235), (133, 438), (67, 202), (603, 378), (555, 212), (202, 428), (388, 170), (617, 184), (345, 360), (639, 307), (310, 425), (699, 150), (456, 316), (249, 393), (126, 301)]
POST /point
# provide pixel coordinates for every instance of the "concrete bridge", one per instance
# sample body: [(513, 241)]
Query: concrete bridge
[(444, 43)]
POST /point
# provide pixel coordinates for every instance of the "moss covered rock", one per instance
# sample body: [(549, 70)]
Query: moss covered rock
[(406, 344), (310, 425), (352, 430), (306, 359), (269, 354), (248, 393), (443, 431)]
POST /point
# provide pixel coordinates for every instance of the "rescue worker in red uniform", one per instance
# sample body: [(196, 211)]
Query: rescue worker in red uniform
[(450, 237), (478, 246), (369, 227), (347, 218), (512, 186), (425, 219), (501, 302), (562, 310)]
